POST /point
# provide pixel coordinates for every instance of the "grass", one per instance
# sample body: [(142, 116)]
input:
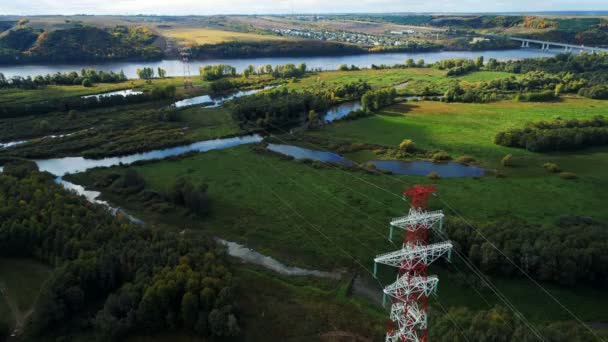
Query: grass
[(376, 78), (208, 123), (20, 282), (483, 76), (205, 36), (323, 218), (52, 92)]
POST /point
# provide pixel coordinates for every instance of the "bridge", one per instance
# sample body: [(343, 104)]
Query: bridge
[(545, 45)]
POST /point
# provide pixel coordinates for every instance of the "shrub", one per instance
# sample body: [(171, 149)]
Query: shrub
[(441, 156), (568, 175), (465, 160), (407, 145), (552, 167), (433, 175), (507, 161), (87, 83)]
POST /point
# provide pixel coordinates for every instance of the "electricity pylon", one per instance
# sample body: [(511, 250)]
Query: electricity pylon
[(185, 54), (409, 312)]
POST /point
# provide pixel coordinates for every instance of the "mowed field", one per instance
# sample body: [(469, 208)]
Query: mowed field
[(205, 36)]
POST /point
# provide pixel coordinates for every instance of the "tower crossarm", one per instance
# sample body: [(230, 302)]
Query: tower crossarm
[(412, 287), (416, 219), (411, 255)]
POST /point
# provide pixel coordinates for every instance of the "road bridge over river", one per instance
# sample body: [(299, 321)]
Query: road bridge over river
[(546, 45)]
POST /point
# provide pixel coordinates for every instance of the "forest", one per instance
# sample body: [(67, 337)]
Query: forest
[(25, 45), (558, 135), (110, 276), (284, 108), (571, 251)]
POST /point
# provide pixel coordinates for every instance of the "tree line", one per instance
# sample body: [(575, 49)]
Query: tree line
[(375, 100), (571, 251), (111, 277), (499, 325), (558, 135), (71, 78), (85, 103), (284, 108)]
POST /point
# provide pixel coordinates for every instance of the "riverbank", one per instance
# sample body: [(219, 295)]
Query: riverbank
[(175, 67)]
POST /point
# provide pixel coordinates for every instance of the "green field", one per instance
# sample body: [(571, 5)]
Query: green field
[(327, 218), (20, 282)]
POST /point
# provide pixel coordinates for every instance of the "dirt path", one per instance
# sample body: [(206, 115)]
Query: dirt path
[(19, 317)]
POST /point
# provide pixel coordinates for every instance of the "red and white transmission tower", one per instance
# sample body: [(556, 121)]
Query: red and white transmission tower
[(409, 318)]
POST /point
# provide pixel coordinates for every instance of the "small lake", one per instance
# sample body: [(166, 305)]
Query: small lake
[(62, 166), (423, 168), (413, 168), (340, 111), (123, 93), (304, 153), (175, 67), (217, 101)]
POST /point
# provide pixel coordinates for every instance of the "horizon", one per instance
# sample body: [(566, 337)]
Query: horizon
[(291, 7)]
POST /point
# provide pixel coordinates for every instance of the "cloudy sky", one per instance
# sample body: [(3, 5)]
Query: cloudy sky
[(178, 7)]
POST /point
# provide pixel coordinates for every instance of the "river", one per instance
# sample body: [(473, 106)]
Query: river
[(175, 67)]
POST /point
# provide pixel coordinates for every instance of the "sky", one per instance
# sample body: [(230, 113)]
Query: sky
[(205, 7)]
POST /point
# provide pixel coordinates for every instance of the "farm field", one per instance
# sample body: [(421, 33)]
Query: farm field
[(208, 36)]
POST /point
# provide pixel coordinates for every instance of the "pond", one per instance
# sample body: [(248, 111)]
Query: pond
[(123, 93), (62, 166), (214, 102), (340, 111), (423, 168), (175, 67), (304, 153), (413, 168)]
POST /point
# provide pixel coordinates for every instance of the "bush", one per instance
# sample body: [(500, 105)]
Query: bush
[(543, 96), (465, 160), (552, 167), (441, 156), (87, 83), (507, 161), (407, 145), (568, 175), (433, 175)]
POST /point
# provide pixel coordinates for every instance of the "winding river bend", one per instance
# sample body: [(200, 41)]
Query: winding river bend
[(175, 67)]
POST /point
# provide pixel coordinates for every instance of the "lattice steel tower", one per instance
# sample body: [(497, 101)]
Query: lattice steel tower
[(185, 54), (409, 316)]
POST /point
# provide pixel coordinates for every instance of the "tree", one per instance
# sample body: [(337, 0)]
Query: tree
[(189, 310), (313, 118), (507, 161), (87, 83), (410, 63), (145, 73), (479, 62), (162, 73), (407, 145), (420, 63)]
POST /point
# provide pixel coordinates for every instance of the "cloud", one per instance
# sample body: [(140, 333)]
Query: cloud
[(185, 7)]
